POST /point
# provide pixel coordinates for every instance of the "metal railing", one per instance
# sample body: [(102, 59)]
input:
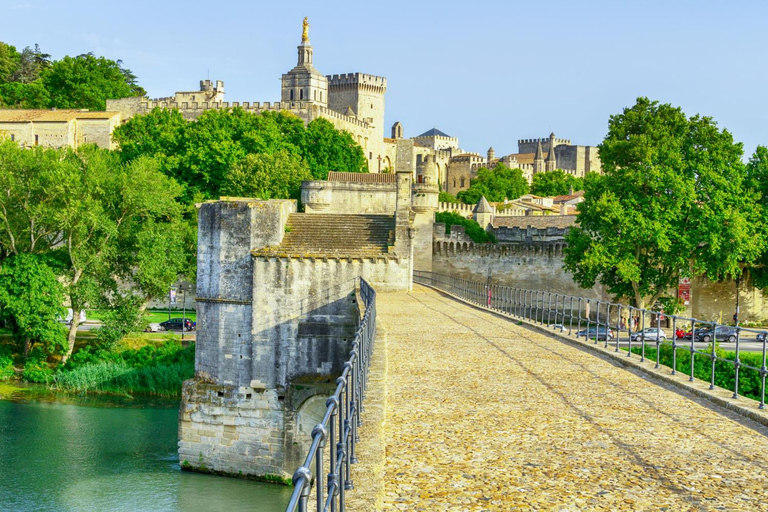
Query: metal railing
[(606, 321), (338, 430)]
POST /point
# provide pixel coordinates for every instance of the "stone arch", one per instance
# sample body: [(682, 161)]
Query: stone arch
[(308, 414)]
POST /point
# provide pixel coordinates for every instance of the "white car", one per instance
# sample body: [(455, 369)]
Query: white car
[(557, 327), (153, 327), (649, 334)]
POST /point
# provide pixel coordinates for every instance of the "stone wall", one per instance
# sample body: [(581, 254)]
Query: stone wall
[(536, 266), (348, 197)]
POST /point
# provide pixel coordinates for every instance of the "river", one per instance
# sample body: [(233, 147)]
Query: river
[(68, 454)]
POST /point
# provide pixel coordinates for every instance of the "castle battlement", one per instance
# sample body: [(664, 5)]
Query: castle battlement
[(224, 105), (460, 208), (356, 79), (543, 141), (327, 112)]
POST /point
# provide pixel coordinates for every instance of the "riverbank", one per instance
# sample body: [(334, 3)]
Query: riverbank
[(139, 365)]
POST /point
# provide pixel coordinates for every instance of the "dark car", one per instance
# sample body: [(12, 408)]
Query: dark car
[(175, 324), (721, 333), (601, 333)]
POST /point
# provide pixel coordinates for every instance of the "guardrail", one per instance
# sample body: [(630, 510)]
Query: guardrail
[(596, 319), (338, 430)]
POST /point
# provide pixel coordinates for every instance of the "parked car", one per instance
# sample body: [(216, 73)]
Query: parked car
[(175, 324), (722, 333), (649, 334), (70, 315), (154, 327), (601, 333), (761, 336)]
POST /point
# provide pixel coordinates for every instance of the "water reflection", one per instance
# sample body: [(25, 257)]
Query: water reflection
[(58, 456)]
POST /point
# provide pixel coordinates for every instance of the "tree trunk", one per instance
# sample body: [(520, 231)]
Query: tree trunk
[(26, 347), (72, 335)]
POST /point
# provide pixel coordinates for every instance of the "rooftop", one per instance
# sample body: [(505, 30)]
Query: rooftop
[(26, 116), (434, 132), (362, 177)]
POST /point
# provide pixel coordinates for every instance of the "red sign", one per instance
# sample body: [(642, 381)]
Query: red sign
[(684, 290)]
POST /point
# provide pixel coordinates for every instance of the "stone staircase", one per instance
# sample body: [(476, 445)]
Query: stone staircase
[(336, 235)]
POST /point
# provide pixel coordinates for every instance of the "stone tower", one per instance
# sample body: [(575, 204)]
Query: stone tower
[(305, 82), (551, 161), (483, 213), (363, 94), (491, 155), (397, 130), (538, 160)]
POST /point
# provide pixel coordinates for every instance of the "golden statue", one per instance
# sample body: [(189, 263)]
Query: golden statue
[(305, 33)]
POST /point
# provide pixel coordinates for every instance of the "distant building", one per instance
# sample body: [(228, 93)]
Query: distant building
[(59, 128)]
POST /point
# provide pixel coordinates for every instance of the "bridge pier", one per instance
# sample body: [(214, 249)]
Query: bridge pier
[(271, 334)]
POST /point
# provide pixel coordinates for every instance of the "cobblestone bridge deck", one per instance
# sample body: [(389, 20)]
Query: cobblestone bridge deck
[(481, 414)]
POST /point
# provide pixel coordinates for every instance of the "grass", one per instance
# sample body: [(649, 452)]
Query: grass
[(120, 378), (152, 315)]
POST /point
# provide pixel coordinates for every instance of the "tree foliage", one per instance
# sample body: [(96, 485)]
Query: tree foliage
[(471, 227), (29, 79), (87, 81), (496, 185), (104, 221), (555, 183), (268, 176), (673, 202), (200, 155), (445, 197), (31, 301)]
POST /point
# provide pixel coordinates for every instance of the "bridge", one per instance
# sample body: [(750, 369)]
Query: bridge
[(469, 411)]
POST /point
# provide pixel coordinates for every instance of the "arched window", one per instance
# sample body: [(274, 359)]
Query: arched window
[(462, 181), (454, 182)]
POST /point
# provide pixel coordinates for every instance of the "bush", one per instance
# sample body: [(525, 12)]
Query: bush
[(36, 367), (6, 363), (471, 228), (149, 370), (725, 375)]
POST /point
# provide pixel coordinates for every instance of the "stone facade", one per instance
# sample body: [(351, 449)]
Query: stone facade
[(59, 128)]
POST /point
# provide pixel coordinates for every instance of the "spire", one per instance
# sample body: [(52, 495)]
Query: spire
[(483, 206), (539, 153), (551, 161)]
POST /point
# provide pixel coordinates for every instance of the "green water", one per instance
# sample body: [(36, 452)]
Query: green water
[(108, 454)]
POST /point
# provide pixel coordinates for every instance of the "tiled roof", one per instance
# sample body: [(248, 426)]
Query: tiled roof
[(535, 221), (434, 132), (562, 199), (26, 116), (523, 158), (362, 177)]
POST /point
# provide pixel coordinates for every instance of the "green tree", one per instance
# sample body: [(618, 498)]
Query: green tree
[(31, 301), (105, 221), (87, 81), (673, 202), (555, 183), (32, 62), (496, 185), (328, 149), (757, 178), (445, 197), (20, 95), (9, 62), (268, 176), (472, 229)]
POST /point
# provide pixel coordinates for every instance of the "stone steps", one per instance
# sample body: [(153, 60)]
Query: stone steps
[(337, 235)]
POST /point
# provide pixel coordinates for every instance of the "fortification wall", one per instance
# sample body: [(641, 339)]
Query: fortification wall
[(465, 210), (536, 266), (345, 197), (529, 145)]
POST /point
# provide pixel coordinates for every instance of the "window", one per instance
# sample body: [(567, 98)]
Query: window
[(370, 155), (37, 139), (421, 178), (13, 137), (291, 94), (321, 95), (315, 94), (454, 182), (301, 94), (462, 181)]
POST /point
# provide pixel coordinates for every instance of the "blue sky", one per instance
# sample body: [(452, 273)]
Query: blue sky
[(486, 72)]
